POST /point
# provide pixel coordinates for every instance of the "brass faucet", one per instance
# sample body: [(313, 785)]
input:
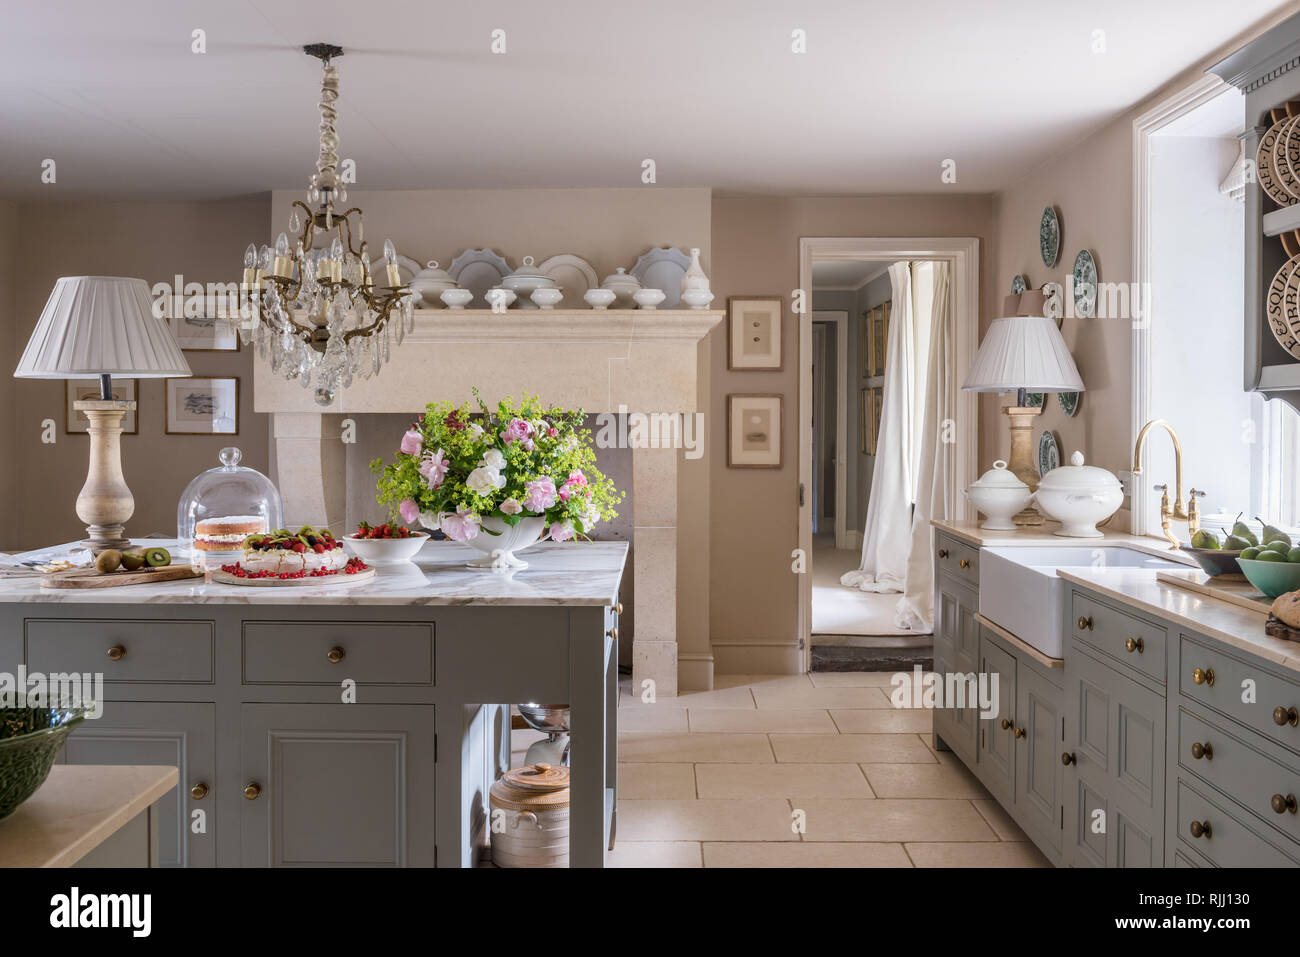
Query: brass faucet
[(1175, 511)]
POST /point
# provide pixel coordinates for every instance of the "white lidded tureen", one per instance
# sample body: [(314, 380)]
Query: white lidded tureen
[(1079, 496), (999, 495), (623, 285), (431, 282), (525, 280)]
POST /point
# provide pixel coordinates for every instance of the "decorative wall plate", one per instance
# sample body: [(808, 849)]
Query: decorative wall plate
[(1034, 400), (1018, 284), (1282, 306), (478, 270), (572, 274), (1085, 285), (1049, 453), (663, 268), (1049, 236), (1069, 402), (1286, 158), (1268, 179)]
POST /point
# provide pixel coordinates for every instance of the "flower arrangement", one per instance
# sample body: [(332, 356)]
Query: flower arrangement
[(457, 466)]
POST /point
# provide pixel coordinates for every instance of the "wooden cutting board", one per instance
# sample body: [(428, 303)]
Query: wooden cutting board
[(94, 578), (225, 578)]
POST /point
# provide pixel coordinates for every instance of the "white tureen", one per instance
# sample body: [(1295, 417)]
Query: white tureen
[(1079, 496)]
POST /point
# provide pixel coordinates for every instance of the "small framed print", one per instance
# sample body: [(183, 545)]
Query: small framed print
[(204, 324), (754, 431), (754, 333), (878, 338), (203, 406), (77, 390), (864, 421), (877, 402)]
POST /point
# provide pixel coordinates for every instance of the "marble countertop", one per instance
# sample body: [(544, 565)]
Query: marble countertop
[(78, 808), (1224, 621), (569, 573), (970, 533)]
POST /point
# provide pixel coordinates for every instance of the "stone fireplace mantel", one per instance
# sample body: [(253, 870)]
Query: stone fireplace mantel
[(621, 361)]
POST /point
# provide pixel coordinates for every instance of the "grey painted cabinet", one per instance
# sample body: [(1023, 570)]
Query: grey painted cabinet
[(337, 785), (1039, 717), (177, 733), (997, 740), (956, 644)]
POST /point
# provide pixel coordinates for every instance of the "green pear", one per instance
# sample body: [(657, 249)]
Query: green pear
[(1273, 534), (1293, 556), (1249, 552), (1204, 538), (1268, 555), (1234, 543), (1242, 530), (1277, 545)]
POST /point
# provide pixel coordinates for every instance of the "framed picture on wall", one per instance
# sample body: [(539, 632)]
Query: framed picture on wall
[(77, 390), (202, 323), (878, 338), (864, 421), (754, 333), (877, 402), (864, 346), (203, 406), (754, 431)]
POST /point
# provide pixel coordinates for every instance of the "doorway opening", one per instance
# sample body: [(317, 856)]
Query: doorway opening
[(842, 433)]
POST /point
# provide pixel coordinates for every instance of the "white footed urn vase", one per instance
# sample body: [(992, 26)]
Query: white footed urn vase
[(498, 541)]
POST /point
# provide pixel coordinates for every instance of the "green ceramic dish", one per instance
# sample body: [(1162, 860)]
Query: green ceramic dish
[(1272, 578), (1215, 561), (30, 738)]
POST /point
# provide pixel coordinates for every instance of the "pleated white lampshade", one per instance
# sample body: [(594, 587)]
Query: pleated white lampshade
[(101, 325), (1023, 352)]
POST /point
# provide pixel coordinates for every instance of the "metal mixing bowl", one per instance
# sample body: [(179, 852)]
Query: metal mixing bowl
[(549, 718)]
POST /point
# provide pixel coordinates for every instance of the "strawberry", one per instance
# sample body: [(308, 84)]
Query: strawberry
[(318, 548), (299, 547)]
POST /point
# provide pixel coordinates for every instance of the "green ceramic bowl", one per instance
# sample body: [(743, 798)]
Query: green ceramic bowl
[(30, 739), (1272, 578), (1215, 561)]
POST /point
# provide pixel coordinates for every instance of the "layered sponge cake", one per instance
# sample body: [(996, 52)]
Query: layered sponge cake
[(227, 534)]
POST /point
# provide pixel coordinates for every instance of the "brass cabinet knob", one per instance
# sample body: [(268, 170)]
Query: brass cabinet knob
[(1283, 804), (252, 790), (1085, 623), (116, 653), (1201, 829), (199, 791), (943, 553), (618, 609), (1005, 724), (335, 655), (1067, 758), (1205, 750), (1284, 716), (1206, 677), (964, 563), (613, 633), (1134, 644), (1017, 732)]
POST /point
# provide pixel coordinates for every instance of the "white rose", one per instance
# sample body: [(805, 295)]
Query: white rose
[(493, 459), (484, 481), (476, 430)]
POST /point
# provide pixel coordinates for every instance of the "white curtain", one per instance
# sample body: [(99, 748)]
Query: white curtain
[(937, 466), (887, 536)]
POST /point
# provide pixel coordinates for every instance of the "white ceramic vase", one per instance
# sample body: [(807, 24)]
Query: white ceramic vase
[(499, 549), (694, 278)]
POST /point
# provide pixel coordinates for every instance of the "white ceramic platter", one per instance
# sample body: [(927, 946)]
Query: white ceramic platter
[(478, 270), (574, 275), (225, 578), (663, 268)]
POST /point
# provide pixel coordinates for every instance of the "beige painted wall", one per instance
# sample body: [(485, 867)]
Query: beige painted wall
[(8, 269), (150, 241), (754, 518)]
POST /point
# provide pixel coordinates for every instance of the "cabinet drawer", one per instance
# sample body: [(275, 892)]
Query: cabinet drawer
[(328, 652), (126, 651), (1229, 842), (958, 559), (1114, 632), (1221, 689), (1251, 777)]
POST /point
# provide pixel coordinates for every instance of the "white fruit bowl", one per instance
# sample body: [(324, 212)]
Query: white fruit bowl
[(385, 551)]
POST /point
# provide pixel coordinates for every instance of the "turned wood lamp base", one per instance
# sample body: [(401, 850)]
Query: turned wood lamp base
[(1021, 462), (105, 502)]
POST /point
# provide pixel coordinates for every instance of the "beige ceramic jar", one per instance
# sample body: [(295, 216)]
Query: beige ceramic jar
[(530, 817)]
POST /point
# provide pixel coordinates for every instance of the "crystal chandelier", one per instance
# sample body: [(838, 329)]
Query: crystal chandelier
[(314, 312)]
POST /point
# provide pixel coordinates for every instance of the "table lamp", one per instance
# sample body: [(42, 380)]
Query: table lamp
[(100, 327), (1022, 352)]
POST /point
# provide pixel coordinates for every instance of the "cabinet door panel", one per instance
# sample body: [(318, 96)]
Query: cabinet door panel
[(996, 765), (1038, 754), (181, 735), (956, 651), (340, 785)]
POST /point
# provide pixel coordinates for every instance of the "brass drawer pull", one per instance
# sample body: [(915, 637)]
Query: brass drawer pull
[(1006, 725), (613, 633), (964, 563), (1018, 732), (252, 790), (335, 655), (618, 609), (199, 791), (1134, 644), (943, 553), (1205, 750), (1284, 716), (1206, 677), (1202, 829), (1085, 624), (1282, 804), (1067, 758), (116, 653)]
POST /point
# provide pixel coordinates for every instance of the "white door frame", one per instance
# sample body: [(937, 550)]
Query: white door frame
[(962, 253), (840, 319), (1181, 103)]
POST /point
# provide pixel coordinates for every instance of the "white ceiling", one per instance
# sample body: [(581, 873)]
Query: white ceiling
[(845, 273), (585, 92)]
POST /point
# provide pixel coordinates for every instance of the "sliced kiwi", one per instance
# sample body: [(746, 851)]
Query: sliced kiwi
[(157, 557), (109, 560), (132, 561), (305, 531)]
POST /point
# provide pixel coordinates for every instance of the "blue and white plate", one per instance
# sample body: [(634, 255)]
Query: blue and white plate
[(1085, 285), (1049, 237), (1049, 453), (1069, 402), (1018, 284)]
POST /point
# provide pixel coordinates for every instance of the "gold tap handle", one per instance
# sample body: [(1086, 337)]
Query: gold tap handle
[(1166, 514), (1193, 513)]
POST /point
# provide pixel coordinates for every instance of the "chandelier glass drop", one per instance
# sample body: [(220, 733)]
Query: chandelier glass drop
[(313, 310)]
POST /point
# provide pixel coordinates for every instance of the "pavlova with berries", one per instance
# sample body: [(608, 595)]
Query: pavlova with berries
[(308, 552), (498, 478)]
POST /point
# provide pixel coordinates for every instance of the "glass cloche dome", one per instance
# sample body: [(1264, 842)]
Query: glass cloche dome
[(222, 506)]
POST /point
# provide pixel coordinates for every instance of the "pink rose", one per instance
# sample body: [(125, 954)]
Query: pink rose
[(460, 525), (411, 442), (539, 495), (434, 468), (562, 531), (576, 481), (511, 507), (552, 431), (518, 431), (408, 510)]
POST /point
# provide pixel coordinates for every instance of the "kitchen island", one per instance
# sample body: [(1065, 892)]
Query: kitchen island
[(344, 724)]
